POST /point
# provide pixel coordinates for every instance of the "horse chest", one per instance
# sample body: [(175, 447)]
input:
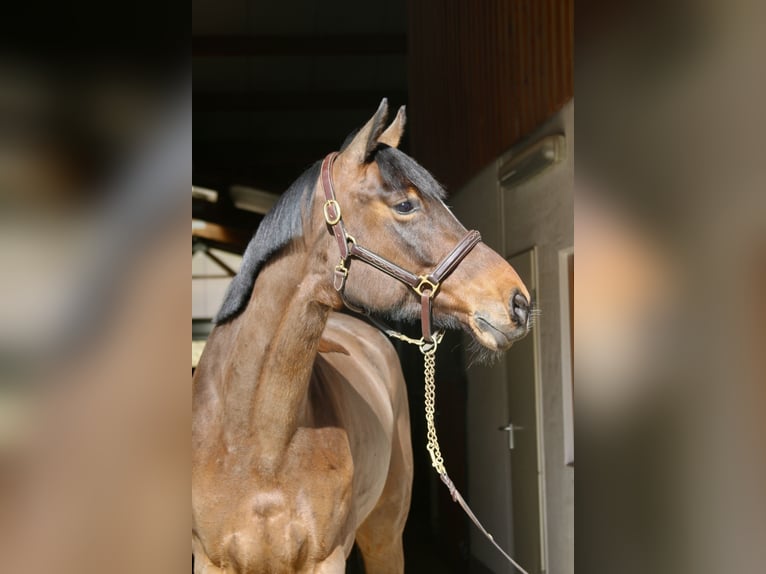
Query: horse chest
[(284, 521)]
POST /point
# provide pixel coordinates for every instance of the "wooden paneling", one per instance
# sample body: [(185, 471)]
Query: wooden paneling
[(482, 75)]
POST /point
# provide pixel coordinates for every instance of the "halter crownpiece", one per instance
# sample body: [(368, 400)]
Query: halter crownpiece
[(425, 286)]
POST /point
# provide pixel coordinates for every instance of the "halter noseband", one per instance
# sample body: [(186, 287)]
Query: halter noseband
[(425, 286)]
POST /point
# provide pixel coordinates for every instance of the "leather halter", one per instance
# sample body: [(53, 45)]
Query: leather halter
[(425, 286)]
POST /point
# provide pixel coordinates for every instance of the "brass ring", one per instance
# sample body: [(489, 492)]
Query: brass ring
[(336, 207), (425, 283)]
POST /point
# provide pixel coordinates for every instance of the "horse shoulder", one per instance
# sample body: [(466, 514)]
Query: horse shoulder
[(369, 348)]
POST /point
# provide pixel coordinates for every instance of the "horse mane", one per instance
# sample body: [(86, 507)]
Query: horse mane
[(283, 222), (279, 227)]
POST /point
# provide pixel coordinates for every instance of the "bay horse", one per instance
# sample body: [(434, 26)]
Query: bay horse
[(300, 433)]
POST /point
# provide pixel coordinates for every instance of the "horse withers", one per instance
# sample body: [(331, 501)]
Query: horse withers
[(300, 436)]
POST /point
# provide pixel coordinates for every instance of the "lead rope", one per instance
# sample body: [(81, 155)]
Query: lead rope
[(428, 351)]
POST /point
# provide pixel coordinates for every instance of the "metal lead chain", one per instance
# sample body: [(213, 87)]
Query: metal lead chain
[(429, 362), (429, 359), (422, 344)]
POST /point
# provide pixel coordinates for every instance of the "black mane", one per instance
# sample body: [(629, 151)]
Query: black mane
[(279, 227), (283, 222)]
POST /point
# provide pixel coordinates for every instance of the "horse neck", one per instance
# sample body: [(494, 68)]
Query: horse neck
[(272, 355)]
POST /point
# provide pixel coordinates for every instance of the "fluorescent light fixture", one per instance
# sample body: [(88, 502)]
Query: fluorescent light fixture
[(252, 199), (204, 193), (198, 224), (532, 160)]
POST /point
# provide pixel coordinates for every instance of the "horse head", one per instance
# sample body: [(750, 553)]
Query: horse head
[(395, 208)]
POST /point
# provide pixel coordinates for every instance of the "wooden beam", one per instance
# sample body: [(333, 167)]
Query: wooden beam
[(225, 213), (221, 263), (221, 235), (217, 46)]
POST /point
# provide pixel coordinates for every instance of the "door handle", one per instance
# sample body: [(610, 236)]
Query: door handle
[(510, 428)]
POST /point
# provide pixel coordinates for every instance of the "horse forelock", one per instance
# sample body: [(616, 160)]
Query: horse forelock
[(281, 225), (399, 171)]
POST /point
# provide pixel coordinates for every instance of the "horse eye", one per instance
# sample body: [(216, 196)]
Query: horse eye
[(404, 207)]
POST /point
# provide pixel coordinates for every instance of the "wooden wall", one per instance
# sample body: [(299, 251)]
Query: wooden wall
[(482, 75)]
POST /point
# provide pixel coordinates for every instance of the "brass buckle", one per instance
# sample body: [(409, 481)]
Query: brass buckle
[(341, 269), (336, 206), (425, 283), (340, 276)]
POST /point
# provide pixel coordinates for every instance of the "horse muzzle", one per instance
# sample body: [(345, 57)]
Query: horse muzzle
[(499, 331)]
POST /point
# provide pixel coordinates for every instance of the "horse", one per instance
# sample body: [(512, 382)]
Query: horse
[(300, 433)]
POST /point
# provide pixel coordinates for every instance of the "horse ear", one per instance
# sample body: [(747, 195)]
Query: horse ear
[(393, 134), (361, 147)]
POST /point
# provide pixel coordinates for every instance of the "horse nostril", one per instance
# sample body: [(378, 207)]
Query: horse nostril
[(519, 308)]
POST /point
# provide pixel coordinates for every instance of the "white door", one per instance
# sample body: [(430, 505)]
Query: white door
[(522, 429), (504, 470)]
